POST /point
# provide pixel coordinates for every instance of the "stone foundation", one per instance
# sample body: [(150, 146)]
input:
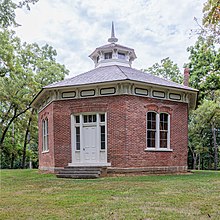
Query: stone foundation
[(114, 171)]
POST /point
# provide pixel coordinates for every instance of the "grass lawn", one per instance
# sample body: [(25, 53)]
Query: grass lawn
[(26, 194)]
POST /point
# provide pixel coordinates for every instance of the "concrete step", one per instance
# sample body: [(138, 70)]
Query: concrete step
[(80, 172), (83, 168), (78, 176), (65, 171)]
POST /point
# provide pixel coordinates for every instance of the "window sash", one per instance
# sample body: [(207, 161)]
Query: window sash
[(158, 130), (102, 136), (77, 138), (45, 134), (108, 55)]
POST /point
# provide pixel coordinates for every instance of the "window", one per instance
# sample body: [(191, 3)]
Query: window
[(77, 132), (108, 55), (77, 138), (158, 130), (89, 118), (163, 130), (102, 117), (121, 56), (45, 134), (102, 137), (77, 118), (151, 129), (97, 59)]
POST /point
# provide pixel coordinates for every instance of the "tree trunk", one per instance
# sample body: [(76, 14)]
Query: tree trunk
[(25, 140), (194, 160), (8, 125), (12, 160), (199, 163), (215, 147)]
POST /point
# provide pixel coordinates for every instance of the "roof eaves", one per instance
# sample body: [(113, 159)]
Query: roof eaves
[(36, 97)]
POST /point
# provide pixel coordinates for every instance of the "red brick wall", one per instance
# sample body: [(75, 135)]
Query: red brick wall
[(46, 160), (136, 133), (125, 114)]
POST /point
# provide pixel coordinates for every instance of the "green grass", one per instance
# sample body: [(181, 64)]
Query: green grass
[(26, 194)]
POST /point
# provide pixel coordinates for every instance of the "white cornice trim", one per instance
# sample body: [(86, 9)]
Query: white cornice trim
[(123, 87)]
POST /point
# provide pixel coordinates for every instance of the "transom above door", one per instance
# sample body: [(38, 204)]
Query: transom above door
[(89, 139)]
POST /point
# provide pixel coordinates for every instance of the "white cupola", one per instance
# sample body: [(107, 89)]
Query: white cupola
[(112, 53)]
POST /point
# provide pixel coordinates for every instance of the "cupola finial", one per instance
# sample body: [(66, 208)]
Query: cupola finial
[(113, 39)]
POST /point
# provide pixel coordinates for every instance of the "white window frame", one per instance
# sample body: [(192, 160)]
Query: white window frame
[(157, 138), (102, 124), (45, 136)]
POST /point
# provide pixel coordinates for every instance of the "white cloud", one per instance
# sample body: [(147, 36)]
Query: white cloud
[(155, 29)]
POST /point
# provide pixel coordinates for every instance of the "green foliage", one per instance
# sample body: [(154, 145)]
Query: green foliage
[(7, 11), (200, 131), (211, 18), (167, 70), (24, 70), (204, 127), (204, 67), (204, 121)]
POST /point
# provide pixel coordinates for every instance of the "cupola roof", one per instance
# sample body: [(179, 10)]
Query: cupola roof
[(112, 53)]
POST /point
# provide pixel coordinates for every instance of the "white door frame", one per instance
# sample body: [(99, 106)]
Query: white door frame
[(78, 155)]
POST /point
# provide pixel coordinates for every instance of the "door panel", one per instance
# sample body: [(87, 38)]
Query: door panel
[(90, 144)]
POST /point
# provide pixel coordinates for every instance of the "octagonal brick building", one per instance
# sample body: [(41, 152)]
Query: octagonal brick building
[(114, 118)]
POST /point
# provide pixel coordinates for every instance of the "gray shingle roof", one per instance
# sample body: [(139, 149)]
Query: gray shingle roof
[(114, 45), (116, 73)]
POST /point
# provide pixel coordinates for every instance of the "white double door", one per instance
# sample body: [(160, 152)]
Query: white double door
[(90, 145)]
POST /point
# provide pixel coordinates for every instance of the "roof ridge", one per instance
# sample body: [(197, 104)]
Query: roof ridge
[(122, 71)]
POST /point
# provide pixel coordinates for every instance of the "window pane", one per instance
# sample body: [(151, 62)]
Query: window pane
[(103, 145), (94, 118), (151, 120), (121, 56), (163, 139), (102, 129), (77, 138), (151, 129), (102, 117), (85, 118), (151, 138), (150, 143), (102, 137), (90, 118), (77, 146), (163, 130), (77, 130), (163, 121), (108, 55), (77, 119)]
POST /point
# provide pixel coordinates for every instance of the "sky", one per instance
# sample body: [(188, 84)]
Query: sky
[(155, 29)]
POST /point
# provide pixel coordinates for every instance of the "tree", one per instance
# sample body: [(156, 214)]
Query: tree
[(210, 26), (24, 70), (211, 18), (31, 68), (167, 70), (204, 123), (7, 19), (7, 11), (202, 127), (204, 67)]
